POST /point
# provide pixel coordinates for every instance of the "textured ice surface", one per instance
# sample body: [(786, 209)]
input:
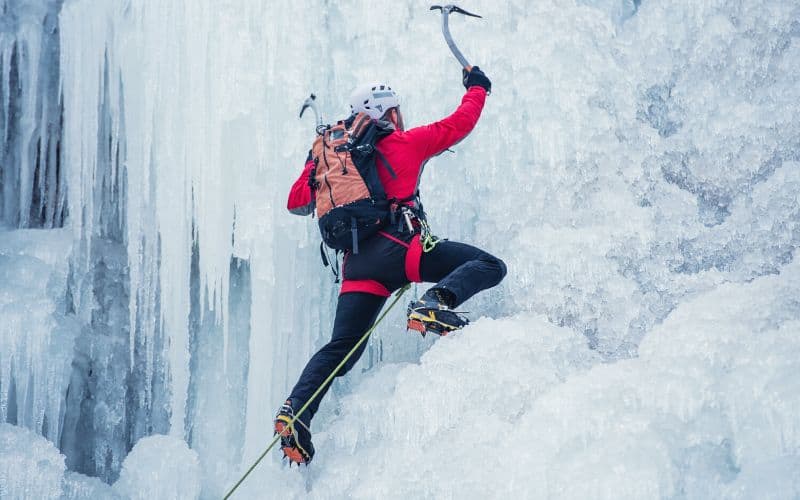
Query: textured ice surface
[(36, 334), (637, 166), (160, 467), (79, 487), (31, 468), (32, 183), (518, 408)]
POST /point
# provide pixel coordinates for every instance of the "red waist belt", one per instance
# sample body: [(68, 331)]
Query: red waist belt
[(412, 263)]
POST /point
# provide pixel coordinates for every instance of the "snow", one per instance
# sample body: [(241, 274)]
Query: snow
[(160, 467), (708, 409), (636, 167), (79, 487), (30, 466)]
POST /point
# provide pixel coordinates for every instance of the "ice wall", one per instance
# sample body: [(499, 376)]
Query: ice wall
[(609, 138), (633, 156), (32, 184), (158, 217), (30, 466), (707, 410), (139, 480), (37, 332), (636, 157)]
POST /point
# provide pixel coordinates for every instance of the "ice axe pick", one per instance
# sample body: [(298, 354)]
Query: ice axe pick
[(446, 10), (311, 102)]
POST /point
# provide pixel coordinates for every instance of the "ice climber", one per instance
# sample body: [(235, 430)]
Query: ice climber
[(394, 256)]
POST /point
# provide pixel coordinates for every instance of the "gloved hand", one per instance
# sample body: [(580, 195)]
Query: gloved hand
[(476, 77)]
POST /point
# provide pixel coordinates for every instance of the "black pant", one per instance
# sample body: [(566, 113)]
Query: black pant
[(459, 268)]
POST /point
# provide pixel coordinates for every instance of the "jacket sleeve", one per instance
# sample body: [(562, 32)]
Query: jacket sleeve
[(301, 201), (432, 139)]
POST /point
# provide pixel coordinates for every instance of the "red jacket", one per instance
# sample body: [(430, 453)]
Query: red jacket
[(406, 152)]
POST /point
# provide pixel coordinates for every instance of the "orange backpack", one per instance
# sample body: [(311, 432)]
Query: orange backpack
[(351, 202)]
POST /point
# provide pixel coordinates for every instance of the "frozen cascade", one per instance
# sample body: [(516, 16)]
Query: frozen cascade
[(648, 152), (36, 331), (32, 189)]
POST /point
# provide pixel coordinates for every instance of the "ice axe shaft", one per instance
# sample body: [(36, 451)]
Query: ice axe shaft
[(446, 10)]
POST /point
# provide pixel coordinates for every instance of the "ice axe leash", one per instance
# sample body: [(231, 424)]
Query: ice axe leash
[(363, 338), (311, 102), (446, 10)]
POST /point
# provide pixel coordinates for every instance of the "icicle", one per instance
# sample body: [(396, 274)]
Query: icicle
[(35, 335)]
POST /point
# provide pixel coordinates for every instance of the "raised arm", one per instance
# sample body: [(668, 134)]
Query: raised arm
[(434, 138)]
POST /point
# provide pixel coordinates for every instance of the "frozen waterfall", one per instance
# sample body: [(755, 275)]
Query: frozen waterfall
[(637, 166)]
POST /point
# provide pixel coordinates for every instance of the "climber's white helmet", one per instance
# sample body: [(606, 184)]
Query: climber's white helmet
[(373, 99)]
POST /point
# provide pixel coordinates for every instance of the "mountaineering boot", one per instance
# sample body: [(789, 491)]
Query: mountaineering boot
[(432, 313), (295, 438)]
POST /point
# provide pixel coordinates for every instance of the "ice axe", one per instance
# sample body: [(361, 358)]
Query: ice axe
[(311, 102), (446, 10)]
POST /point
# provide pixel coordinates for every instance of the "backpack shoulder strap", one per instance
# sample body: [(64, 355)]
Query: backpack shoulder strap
[(385, 163)]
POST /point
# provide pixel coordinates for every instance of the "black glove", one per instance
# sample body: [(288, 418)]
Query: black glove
[(476, 77)]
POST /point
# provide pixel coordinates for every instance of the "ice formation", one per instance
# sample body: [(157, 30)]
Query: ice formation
[(707, 410), (30, 466), (178, 474), (636, 167), (37, 333)]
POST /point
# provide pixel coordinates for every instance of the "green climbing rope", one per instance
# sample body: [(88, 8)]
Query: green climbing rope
[(319, 389)]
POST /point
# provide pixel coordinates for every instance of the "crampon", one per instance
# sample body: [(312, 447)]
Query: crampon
[(295, 437), (430, 316)]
